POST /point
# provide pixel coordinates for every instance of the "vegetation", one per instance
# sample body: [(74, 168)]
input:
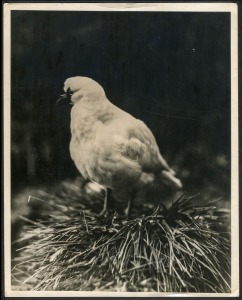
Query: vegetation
[(181, 248)]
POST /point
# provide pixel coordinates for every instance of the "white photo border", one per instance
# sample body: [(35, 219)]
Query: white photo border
[(164, 7)]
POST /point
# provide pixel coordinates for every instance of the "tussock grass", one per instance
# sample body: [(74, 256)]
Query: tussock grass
[(180, 248)]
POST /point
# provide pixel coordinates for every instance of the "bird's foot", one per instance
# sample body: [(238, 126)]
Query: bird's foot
[(103, 213)]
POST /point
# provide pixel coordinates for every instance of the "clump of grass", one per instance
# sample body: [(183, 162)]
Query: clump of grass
[(175, 249)]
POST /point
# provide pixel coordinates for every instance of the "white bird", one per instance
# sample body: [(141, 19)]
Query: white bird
[(111, 147)]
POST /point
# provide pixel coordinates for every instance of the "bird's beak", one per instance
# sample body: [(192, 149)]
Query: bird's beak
[(66, 95), (62, 97)]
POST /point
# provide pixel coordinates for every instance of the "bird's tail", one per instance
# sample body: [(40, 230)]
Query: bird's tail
[(168, 177)]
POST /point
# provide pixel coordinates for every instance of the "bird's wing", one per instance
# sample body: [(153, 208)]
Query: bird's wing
[(140, 145)]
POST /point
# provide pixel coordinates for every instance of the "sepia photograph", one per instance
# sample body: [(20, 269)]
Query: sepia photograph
[(121, 149)]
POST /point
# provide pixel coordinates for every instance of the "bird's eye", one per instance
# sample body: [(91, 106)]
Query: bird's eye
[(69, 93)]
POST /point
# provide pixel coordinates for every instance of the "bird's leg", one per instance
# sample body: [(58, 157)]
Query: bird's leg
[(130, 204), (107, 202)]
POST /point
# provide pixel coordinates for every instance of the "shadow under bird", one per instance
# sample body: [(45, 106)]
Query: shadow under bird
[(109, 146)]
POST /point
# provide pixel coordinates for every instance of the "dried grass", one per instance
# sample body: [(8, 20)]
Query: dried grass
[(183, 248)]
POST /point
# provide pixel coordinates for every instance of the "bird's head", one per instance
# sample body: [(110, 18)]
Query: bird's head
[(77, 87)]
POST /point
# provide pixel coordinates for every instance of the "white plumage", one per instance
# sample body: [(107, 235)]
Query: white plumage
[(109, 146)]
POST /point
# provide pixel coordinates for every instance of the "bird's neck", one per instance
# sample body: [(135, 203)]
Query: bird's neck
[(85, 116), (92, 107)]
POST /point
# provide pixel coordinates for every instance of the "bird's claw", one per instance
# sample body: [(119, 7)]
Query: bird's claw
[(103, 213)]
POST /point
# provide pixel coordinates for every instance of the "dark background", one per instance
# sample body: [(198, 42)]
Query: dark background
[(170, 69)]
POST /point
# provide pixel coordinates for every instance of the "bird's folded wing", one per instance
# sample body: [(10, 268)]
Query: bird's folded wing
[(140, 146), (148, 160), (149, 153)]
